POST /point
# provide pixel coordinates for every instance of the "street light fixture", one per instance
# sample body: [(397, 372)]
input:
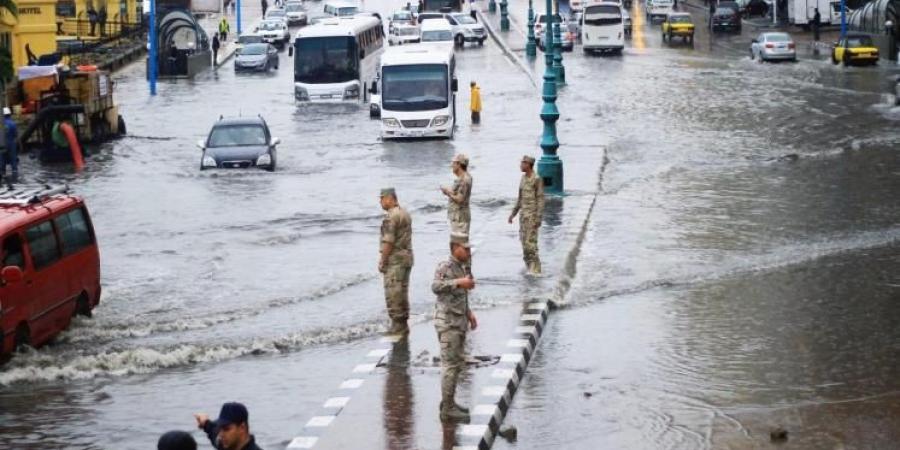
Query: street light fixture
[(550, 167)]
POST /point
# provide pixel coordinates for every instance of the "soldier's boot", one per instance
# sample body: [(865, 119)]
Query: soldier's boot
[(451, 413)]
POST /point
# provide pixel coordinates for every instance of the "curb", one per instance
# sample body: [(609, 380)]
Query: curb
[(495, 400), (334, 405), (506, 50)]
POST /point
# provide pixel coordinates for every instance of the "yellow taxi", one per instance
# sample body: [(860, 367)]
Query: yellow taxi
[(855, 48), (678, 24)]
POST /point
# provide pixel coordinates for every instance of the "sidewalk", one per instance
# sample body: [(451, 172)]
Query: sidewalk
[(251, 15)]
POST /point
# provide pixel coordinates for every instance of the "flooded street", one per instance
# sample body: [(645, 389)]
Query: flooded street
[(740, 269)]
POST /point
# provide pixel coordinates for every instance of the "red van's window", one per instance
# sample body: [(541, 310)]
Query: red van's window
[(74, 231), (42, 242), (12, 252)]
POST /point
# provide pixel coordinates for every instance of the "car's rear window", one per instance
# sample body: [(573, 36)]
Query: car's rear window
[(237, 135), (777, 38), (859, 41)]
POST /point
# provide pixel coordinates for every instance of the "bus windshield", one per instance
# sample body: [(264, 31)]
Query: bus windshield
[(600, 15), (420, 87), (325, 60)]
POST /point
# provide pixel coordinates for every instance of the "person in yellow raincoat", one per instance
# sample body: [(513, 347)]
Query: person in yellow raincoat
[(475, 103)]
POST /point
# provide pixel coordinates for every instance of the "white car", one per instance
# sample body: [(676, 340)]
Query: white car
[(464, 27), (403, 33), (437, 33), (295, 13), (400, 17), (274, 31)]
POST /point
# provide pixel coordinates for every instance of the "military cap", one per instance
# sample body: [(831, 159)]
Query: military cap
[(528, 159), (461, 158), (388, 192), (460, 239)]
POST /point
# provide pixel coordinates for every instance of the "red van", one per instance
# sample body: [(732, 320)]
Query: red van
[(50, 264)]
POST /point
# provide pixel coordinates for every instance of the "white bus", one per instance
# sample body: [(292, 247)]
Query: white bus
[(336, 58), (602, 27), (418, 92)]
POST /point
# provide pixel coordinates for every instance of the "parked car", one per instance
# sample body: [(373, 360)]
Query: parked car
[(568, 37), (256, 58), (773, 46), (725, 18), (855, 48), (295, 13), (239, 143), (274, 31), (678, 24), (403, 33), (50, 264)]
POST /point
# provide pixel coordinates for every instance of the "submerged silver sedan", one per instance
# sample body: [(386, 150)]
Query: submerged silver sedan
[(773, 46)]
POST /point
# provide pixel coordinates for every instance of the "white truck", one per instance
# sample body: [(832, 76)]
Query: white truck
[(801, 12)]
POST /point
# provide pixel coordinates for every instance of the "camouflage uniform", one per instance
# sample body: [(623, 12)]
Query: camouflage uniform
[(459, 214), (451, 322), (530, 207), (396, 229)]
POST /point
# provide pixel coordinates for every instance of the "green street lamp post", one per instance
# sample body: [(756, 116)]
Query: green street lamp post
[(504, 16), (558, 67), (550, 167), (492, 6), (530, 45)]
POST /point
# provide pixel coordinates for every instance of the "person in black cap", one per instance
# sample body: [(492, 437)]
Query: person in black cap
[(176, 440), (231, 431)]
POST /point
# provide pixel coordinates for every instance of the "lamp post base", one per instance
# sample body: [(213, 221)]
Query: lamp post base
[(550, 169)]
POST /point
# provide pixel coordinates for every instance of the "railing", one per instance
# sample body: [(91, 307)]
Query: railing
[(106, 31)]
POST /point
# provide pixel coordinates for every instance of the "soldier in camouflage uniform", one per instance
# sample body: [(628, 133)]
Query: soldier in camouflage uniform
[(530, 208), (458, 196), (396, 260), (452, 318)]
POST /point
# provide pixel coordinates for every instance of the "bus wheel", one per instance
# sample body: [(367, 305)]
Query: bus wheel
[(23, 338), (459, 40), (83, 307)]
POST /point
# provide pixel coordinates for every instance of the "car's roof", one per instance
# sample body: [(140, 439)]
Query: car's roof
[(436, 24), (229, 121), (14, 216), (415, 54), (339, 26), (679, 14)]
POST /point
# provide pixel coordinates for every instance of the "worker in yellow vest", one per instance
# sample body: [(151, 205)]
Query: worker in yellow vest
[(475, 103)]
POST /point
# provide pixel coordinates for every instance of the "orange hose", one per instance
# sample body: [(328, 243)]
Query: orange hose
[(74, 146)]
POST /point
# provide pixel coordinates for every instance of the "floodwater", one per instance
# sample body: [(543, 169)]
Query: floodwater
[(739, 272)]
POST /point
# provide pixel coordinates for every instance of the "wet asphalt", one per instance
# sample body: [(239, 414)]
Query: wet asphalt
[(738, 273)]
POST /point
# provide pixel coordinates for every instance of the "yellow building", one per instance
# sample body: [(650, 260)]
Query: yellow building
[(34, 30), (75, 19)]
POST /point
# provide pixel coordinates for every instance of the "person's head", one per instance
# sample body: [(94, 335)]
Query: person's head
[(460, 162), (234, 426), (7, 112), (176, 440), (472, 84), (388, 198), (527, 164), (459, 246)]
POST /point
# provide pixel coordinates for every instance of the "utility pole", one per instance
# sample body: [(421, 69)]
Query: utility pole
[(550, 167)]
